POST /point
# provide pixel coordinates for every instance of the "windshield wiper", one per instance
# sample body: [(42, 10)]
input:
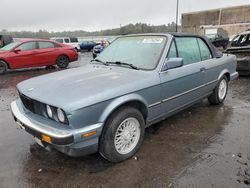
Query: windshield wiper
[(122, 63), (98, 60)]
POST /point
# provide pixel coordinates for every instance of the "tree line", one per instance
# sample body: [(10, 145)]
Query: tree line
[(127, 29)]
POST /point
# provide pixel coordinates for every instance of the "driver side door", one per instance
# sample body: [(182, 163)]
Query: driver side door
[(181, 86), (26, 57)]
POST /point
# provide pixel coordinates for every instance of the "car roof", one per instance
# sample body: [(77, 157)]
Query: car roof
[(61, 37), (175, 34), (32, 39)]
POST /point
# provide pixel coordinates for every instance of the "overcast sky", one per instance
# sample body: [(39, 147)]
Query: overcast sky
[(91, 15)]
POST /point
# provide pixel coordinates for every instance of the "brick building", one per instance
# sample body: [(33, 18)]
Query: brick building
[(232, 19)]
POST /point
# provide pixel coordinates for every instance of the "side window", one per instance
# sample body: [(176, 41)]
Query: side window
[(43, 45), (172, 51), (73, 39), (188, 49), (27, 46), (66, 40), (59, 40), (205, 52)]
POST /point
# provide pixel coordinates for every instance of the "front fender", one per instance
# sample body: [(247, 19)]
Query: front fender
[(119, 102)]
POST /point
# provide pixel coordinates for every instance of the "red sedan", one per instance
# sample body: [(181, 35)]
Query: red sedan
[(36, 53)]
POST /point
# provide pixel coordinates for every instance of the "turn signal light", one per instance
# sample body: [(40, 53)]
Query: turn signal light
[(46, 138), (89, 134)]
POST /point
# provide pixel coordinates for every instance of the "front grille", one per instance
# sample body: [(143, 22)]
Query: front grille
[(27, 102), (39, 108), (33, 105)]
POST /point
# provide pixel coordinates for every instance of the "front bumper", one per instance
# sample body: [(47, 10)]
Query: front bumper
[(234, 76), (68, 141)]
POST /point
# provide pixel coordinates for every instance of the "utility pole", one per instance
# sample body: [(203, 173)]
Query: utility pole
[(177, 13)]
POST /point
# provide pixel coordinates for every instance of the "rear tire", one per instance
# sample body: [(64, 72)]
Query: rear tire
[(220, 92), (3, 67), (122, 135), (62, 61)]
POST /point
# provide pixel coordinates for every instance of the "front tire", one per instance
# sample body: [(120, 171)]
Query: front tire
[(3, 67), (122, 135), (220, 92), (62, 61)]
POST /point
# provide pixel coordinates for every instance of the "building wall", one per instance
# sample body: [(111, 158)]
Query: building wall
[(233, 19)]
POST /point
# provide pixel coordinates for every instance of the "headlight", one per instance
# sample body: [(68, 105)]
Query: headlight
[(49, 111), (60, 115)]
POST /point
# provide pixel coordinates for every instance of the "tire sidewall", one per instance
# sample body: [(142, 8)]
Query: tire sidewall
[(107, 146), (5, 67), (58, 63)]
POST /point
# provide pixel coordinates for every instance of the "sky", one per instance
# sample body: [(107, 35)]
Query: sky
[(95, 15)]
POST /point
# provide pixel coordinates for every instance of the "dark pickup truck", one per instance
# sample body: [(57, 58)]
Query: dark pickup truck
[(5, 39), (218, 37), (240, 46)]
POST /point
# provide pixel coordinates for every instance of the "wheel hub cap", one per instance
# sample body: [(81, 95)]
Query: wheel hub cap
[(222, 89), (127, 135)]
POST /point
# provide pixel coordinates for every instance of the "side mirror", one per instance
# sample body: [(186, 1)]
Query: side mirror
[(17, 50), (172, 63)]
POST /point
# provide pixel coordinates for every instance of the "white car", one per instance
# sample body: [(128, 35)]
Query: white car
[(73, 41)]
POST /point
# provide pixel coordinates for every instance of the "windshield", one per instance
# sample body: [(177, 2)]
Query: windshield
[(10, 46), (141, 51)]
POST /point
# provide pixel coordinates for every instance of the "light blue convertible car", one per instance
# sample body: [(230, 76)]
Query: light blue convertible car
[(137, 81)]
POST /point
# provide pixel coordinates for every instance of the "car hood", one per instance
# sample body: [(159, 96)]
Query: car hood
[(3, 52), (80, 87)]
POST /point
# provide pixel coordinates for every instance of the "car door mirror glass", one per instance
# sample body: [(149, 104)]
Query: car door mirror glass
[(172, 63)]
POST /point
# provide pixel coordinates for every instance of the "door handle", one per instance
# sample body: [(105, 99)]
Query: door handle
[(202, 69)]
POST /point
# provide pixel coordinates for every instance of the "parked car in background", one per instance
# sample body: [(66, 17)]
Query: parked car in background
[(87, 45), (73, 41), (137, 81), (99, 48), (5, 40), (218, 36), (240, 46), (35, 53)]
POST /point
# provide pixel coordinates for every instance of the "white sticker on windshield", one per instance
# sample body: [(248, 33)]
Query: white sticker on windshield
[(152, 40)]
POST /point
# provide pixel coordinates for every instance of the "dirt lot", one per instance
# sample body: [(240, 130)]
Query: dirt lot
[(204, 146)]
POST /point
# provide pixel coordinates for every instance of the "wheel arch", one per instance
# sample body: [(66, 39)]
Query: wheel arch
[(8, 65), (132, 100), (226, 73)]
